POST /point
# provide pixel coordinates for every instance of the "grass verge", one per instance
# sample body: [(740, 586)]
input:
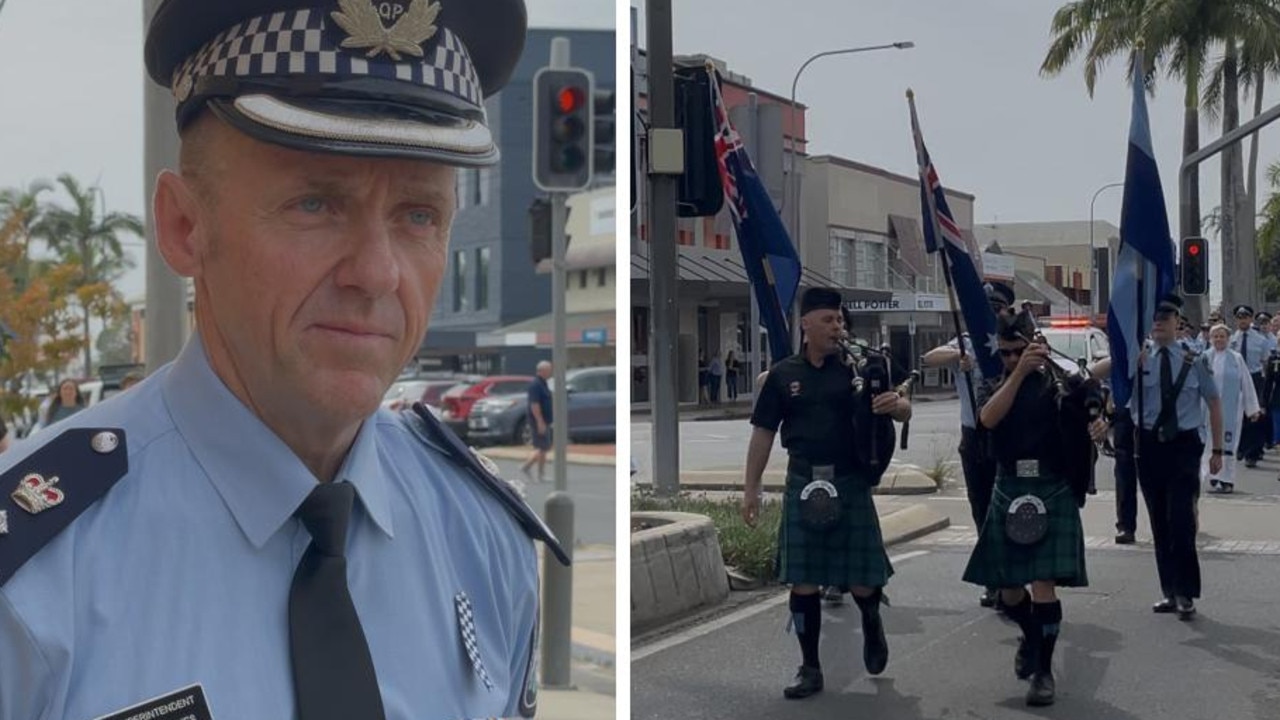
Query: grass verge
[(753, 551)]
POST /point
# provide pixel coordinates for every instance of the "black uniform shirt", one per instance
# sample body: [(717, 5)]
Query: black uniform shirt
[(813, 405), (1030, 429)]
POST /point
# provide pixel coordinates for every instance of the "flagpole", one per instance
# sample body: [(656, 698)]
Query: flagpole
[(946, 265), (1137, 376)]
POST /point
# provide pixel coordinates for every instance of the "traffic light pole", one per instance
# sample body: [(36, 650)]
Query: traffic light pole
[(662, 261), (1189, 163), (166, 305), (557, 599)]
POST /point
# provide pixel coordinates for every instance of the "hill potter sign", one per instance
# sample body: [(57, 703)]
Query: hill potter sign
[(902, 302)]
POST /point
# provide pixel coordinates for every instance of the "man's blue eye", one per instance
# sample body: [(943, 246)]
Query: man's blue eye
[(311, 205), (420, 217)]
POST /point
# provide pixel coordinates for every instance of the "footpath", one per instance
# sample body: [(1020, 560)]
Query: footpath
[(593, 637)]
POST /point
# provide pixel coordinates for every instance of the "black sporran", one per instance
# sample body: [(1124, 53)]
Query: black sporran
[(1027, 521), (820, 506)]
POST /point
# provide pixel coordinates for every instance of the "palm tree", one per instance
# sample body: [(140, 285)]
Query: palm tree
[(1247, 65), (26, 204), (1178, 34), (80, 236)]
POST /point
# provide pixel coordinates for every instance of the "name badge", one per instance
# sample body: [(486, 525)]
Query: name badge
[(185, 704)]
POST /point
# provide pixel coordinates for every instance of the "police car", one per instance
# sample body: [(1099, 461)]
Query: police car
[(1074, 339)]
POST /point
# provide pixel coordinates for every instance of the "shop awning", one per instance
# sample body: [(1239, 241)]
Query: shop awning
[(594, 329)]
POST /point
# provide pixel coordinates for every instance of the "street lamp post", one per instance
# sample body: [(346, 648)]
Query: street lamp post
[(1093, 254), (791, 191)]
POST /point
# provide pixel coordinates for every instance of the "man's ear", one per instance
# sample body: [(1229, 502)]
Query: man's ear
[(178, 224)]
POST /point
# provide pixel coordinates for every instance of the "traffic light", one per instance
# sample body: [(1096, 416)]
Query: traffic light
[(540, 230), (700, 191), (603, 145), (562, 129), (1195, 266)]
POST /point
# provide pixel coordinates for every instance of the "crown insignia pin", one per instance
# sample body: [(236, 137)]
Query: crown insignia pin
[(35, 494)]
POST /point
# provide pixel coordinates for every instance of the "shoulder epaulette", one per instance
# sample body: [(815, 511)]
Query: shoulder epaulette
[(433, 431), (46, 491)]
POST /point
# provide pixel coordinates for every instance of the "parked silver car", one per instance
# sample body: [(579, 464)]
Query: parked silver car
[(504, 419)]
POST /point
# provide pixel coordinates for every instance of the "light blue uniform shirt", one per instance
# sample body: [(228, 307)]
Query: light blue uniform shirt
[(962, 385), (1198, 386), (1258, 350), (181, 573)]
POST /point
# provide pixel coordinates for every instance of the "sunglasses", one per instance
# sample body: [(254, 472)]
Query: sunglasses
[(1012, 353)]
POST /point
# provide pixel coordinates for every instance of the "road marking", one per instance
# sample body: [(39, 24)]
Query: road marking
[(955, 537), (737, 616)]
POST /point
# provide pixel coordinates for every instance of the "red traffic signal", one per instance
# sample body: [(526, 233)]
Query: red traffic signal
[(1194, 266), (562, 129), (569, 99)]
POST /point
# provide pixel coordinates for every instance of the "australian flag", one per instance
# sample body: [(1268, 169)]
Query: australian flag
[(1144, 265), (767, 253), (979, 319)]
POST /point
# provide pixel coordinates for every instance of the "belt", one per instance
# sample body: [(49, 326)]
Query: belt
[(1024, 468), (1182, 437), (807, 468)]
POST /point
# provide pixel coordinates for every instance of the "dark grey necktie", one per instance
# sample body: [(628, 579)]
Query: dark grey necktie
[(333, 675), (1244, 348)]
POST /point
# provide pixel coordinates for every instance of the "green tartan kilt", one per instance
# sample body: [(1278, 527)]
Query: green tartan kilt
[(851, 553), (998, 562)]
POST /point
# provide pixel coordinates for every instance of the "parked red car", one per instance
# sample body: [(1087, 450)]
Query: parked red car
[(458, 400)]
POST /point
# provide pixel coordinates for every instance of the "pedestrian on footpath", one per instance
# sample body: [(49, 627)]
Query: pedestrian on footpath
[(538, 416), (830, 534), (1175, 388), (731, 375), (246, 533), (715, 375), (976, 461), (1235, 388), (1033, 535)]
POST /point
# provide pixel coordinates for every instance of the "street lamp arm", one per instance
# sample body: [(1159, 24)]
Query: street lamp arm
[(795, 81)]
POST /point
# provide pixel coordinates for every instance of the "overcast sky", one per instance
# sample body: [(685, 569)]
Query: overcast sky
[(71, 81), (1029, 148)]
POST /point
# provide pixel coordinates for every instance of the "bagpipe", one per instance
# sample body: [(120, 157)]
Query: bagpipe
[(1080, 399), (873, 435)]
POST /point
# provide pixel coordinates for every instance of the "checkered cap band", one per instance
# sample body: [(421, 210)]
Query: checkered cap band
[(295, 42)]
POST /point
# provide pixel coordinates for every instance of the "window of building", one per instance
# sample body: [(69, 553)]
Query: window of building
[(582, 280), (460, 303), (461, 187), (841, 260), (602, 277), (870, 263), (482, 278), (479, 187)]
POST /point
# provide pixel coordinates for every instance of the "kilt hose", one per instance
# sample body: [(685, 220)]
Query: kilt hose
[(850, 553), (999, 562)]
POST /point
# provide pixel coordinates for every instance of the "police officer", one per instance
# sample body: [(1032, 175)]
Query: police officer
[(830, 535), (245, 525), (1262, 323), (975, 461), (1254, 348), (1032, 534), (1173, 384)]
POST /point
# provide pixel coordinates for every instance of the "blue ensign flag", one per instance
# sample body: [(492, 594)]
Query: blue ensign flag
[(979, 319), (1145, 268), (770, 259)]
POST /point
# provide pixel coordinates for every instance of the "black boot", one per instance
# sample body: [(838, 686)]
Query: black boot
[(808, 682), (875, 648), (1024, 658), (806, 616), (1041, 692)]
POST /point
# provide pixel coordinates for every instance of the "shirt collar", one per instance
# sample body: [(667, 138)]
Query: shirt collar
[(260, 478)]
